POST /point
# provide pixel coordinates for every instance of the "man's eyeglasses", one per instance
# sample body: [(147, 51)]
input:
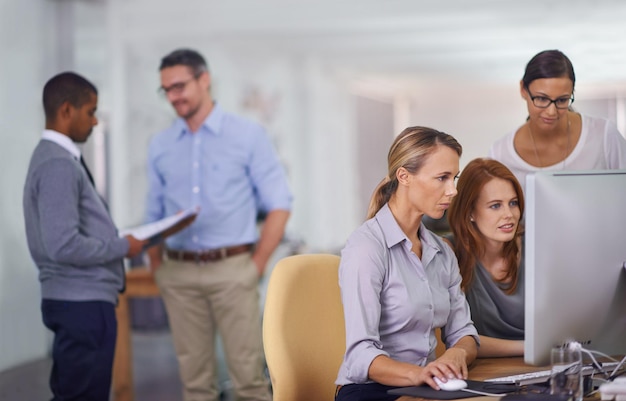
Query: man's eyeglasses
[(176, 88), (544, 102)]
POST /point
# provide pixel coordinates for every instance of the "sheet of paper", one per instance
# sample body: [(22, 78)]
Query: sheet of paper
[(151, 230)]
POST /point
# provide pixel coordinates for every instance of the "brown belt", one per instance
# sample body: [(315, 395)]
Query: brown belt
[(211, 255)]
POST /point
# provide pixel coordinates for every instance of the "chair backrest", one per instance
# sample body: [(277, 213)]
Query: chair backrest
[(303, 327), (441, 346)]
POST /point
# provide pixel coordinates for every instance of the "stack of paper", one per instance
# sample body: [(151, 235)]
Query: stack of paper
[(162, 228)]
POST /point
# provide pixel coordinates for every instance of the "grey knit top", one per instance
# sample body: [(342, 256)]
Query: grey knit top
[(71, 236), (496, 314)]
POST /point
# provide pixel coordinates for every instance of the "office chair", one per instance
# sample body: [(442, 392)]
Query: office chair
[(441, 346), (303, 327)]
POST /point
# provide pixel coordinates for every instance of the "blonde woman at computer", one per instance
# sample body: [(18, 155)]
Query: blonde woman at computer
[(399, 281), (554, 136), (486, 236)]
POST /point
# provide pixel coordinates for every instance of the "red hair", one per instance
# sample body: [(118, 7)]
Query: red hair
[(469, 243)]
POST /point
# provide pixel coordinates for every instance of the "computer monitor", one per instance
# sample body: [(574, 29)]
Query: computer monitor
[(575, 262)]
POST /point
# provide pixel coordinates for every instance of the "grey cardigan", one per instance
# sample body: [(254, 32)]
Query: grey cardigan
[(71, 236)]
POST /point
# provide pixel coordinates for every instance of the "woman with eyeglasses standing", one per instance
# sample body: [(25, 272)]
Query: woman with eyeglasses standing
[(555, 137)]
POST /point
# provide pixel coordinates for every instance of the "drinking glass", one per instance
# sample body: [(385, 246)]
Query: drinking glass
[(566, 372)]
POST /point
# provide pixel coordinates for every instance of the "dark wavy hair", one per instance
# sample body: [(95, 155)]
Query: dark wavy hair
[(549, 64), (469, 243)]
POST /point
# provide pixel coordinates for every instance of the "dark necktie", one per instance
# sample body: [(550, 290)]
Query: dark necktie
[(82, 161)]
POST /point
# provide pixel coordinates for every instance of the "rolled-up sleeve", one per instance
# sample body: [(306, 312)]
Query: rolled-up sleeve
[(268, 175), (361, 280)]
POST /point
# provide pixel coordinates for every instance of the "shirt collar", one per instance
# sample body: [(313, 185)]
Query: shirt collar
[(212, 124), (388, 224), (62, 140), (394, 234)]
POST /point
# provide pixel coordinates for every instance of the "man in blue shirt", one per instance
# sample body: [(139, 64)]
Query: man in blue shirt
[(226, 167)]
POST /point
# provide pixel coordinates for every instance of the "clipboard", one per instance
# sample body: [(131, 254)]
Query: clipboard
[(157, 231)]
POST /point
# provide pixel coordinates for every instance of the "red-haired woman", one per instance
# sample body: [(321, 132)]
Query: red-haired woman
[(486, 236)]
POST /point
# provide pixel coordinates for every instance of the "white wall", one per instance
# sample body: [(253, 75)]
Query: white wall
[(25, 65), (476, 114)]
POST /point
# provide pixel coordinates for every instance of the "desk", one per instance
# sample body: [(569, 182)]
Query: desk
[(139, 283), (486, 368)]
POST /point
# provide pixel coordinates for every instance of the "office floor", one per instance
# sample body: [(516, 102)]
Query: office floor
[(154, 369)]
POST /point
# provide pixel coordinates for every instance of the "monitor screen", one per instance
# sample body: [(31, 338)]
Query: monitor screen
[(575, 262)]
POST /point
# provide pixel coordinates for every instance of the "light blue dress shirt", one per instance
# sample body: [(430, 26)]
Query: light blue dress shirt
[(393, 301), (228, 168)]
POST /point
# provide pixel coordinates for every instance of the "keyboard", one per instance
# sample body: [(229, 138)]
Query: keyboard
[(542, 376)]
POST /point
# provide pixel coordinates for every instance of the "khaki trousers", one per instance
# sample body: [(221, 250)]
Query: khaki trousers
[(201, 298)]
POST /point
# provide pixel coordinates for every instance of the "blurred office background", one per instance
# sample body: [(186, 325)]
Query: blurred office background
[(332, 81)]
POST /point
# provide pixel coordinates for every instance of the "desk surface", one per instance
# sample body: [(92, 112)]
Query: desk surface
[(487, 368)]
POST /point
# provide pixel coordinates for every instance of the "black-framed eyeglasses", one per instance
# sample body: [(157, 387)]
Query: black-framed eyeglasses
[(176, 88), (544, 102)]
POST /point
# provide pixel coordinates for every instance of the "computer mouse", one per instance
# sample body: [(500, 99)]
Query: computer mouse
[(451, 384)]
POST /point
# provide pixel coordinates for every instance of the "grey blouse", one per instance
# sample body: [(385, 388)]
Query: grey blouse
[(496, 314)]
